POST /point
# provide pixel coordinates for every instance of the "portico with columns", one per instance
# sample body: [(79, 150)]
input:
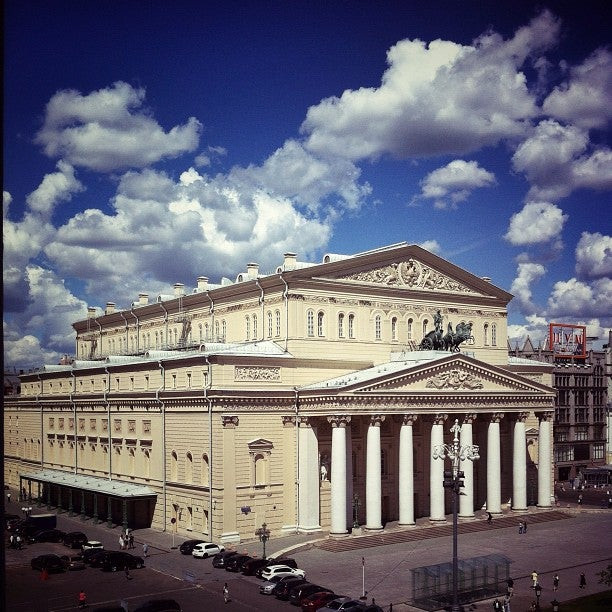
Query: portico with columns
[(394, 422)]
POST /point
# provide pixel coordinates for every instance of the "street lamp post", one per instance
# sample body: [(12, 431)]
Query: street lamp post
[(453, 480), (27, 510), (264, 535)]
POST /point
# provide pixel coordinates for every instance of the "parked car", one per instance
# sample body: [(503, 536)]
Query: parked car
[(75, 539), (302, 591), (47, 535), (187, 547), (283, 589), (250, 567), (10, 518), (273, 561), (235, 562), (267, 587), (343, 604), (95, 558), (220, 558), (87, 555), (117, 560), (281, 570), (73, 562), (92, 544), (206, 549), (317, 600), (51, 563), (159, 605)]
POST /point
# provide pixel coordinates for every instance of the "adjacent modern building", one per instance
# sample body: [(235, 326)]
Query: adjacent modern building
[(305, 398)]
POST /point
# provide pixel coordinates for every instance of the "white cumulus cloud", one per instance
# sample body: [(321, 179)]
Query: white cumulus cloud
[(537, 222), (527, 274), (594, 255)]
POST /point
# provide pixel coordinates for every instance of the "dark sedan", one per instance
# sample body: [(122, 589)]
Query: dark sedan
[(187, 547), (116, 560), (91, 553), (51, 563), (48, 535), (302, 591), (250, 567), (75, 539), (235, 562), (220, 559)]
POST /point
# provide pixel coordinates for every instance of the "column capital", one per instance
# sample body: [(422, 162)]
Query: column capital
[(521, 416), (549, 415), (304, 421), (409, 419), (438, 419), (339, 420), (230, 421), (376, 420), (469, 418), (496, 417), (288, 420)]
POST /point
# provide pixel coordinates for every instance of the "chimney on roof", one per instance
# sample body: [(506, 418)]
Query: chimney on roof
[(143, 299), (289, 262), (110, 308), (486, 278), (179, 289), (252, 270), (202, 283), (91, 312)]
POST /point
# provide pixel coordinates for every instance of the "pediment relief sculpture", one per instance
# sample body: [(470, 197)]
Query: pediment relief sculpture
[(455, 379), (411, 274)]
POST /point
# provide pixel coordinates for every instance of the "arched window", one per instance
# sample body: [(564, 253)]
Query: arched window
[(409, 330), (247, 325), (377, 327), (486, 334), (341, 325), (351, 326), (260, 470), (224, 329), (174, 466), (269, 324), (188, 468), (425, 323), (310, 323), (394, 329), (278, 323), (493, 334), (205, 470), (320, 324), (254, 327)]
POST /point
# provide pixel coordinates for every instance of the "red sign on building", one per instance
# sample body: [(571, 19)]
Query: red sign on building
[(566, 340)]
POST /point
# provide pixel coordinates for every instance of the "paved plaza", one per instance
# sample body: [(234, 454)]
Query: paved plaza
[(568, 540)]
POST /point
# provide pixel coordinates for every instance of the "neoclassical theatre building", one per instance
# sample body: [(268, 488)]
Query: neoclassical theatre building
[(303, 398)]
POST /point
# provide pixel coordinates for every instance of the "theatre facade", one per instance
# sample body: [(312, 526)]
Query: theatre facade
[(310, 398)]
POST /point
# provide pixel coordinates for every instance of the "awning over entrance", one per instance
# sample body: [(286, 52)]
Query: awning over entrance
[(114, 488)]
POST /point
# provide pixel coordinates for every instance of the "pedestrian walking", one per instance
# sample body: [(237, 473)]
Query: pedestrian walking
[(510, 587), (506, 603), (44, 574), (131, 537), (82, 599), (555, 605), (580, 499), (226, 597), (534, 579), (524, 526), (582, 580), (18, 541), (489, 518), (8, 498), (145, 550), (121, 542), (127, 573), (520, 527), (555, 582), (533, 607), (497, 607), (11, 541)]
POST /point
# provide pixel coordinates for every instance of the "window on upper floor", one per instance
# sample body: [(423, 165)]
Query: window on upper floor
[(224, 330), (394, 329), (351, 326), (254, 327), (206, 332), (581, 432), (174, 466), (485, 333), (205, 470), (341, 325), (278, 323), (409, 329), (310, 323), (247, 327), (493, 334), (270, 324), (321, 324), (425, 324), (377, 327), (199, 333), (188, 468), (598, 450), (260, 476), (217, 331)]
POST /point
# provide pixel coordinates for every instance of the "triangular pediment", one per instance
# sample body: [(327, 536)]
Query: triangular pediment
[(455, 374), (260, 444)]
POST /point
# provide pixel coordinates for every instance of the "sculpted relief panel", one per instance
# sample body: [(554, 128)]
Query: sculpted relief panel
[(257, 373), (410, 274)]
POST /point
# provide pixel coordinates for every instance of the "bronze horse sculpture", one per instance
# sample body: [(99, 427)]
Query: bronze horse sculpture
[(450, 341)]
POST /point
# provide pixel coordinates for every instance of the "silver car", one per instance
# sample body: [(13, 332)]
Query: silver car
[(206, 549)]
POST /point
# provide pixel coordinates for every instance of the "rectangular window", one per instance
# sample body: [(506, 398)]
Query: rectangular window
[(51, 422), (104, 424), (146, 427), (581, 432), (561, 435), (71, 423), (564, 453), (92, 424), (117, 425), (562, 415), (582, 415), (132, 426), (189, 380), (598, 451)]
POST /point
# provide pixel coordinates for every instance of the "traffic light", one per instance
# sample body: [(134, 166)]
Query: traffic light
[(460, 477), (449, 481)]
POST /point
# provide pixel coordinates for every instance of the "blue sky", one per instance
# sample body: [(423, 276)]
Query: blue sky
[(148, 143)]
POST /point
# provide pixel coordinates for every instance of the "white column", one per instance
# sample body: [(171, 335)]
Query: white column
[(338, 474), (406, 471), (519, 464), (349, 477), (373, 476), (544, 459), (466, 499), (436, 471), (308, 473), (494, 465)]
